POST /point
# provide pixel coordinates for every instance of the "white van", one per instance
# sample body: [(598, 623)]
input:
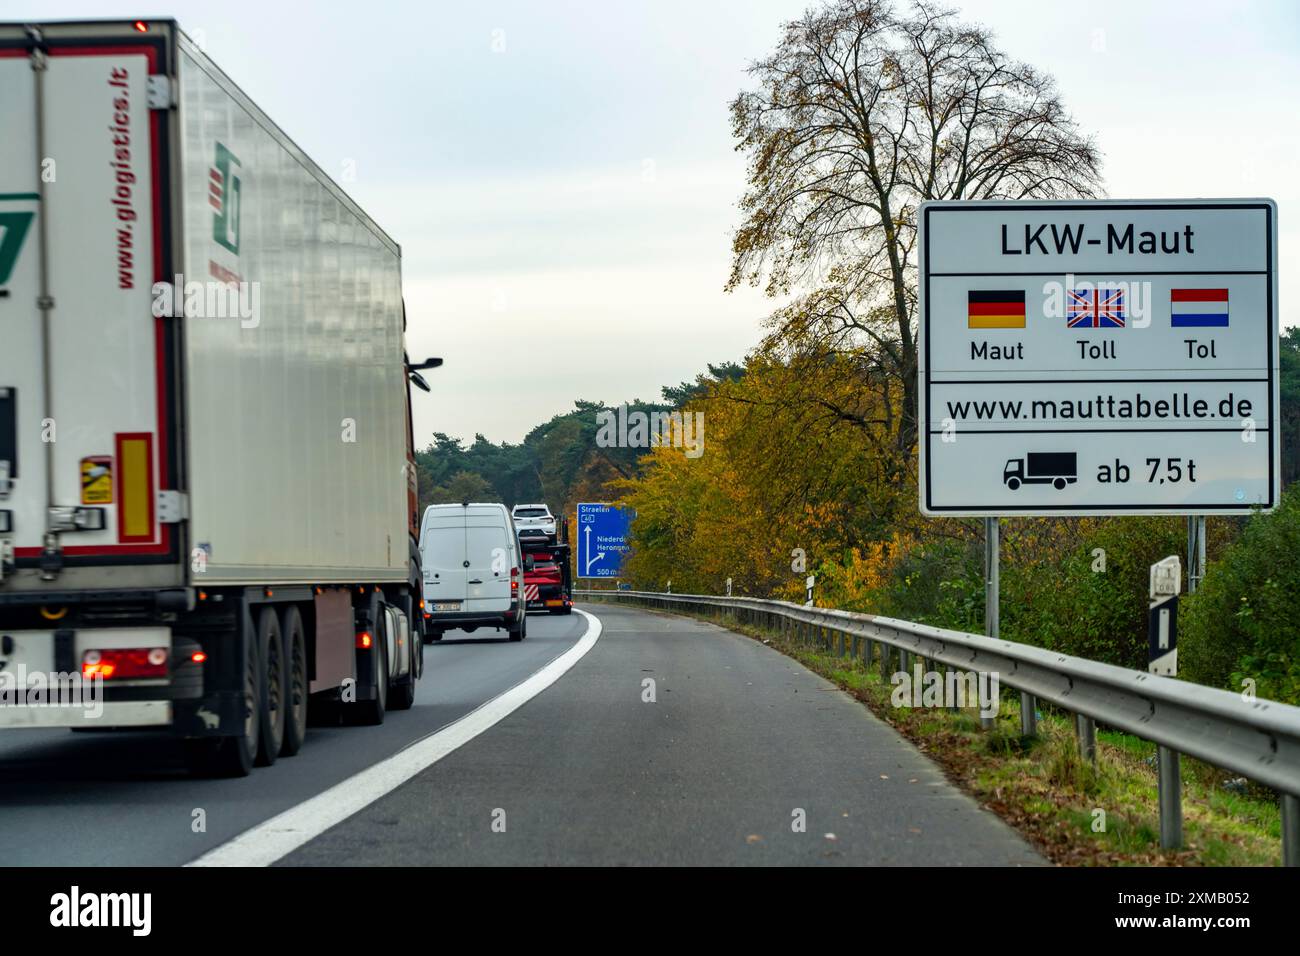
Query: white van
[(473, 571)]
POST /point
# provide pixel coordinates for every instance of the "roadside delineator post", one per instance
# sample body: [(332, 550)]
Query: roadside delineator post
[(1162, 657)]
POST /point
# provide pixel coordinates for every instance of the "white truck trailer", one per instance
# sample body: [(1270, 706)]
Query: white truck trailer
[(207, 485)]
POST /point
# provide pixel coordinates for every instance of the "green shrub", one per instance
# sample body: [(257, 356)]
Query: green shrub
[(939, 582), (1244, 621), (1082, 606)]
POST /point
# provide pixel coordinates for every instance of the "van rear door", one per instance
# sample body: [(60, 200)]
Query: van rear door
[(489, 557), (442, 554), (85, 393)]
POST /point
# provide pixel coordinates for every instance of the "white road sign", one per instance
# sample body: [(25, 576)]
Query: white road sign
[(1098, 357)]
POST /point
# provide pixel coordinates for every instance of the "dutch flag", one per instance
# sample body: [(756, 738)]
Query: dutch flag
[(1198, 308)]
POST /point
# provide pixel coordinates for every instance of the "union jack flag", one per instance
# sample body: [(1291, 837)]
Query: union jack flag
[(1095, 309)]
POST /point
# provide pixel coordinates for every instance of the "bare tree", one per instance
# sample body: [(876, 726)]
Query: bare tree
[(861, 114)]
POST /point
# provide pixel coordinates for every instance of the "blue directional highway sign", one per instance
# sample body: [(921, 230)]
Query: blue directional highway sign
[(602, 539)]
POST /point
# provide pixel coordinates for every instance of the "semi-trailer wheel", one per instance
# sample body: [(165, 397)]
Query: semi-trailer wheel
[(410, 606), (274, 692), (297, 684), (402, 693), (372, 711), (233, 755)]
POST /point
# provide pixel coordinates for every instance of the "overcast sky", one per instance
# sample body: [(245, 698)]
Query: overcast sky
[(561, 178)]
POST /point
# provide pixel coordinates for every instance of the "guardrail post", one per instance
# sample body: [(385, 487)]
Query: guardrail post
[(868, 651), (1290, 829), (1028, 715), (1085, 728), (1171, 802), (885, 653)]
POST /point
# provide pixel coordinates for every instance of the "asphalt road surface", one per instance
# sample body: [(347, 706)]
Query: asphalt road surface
[(739, 744)]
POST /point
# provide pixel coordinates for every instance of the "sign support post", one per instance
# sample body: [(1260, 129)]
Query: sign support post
[(992, 588), (1195, 552)]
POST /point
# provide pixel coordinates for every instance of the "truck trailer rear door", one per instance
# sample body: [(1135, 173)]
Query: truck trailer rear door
[(85, 430)]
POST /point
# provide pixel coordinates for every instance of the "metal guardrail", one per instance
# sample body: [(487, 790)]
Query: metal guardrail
[(1258, 739)]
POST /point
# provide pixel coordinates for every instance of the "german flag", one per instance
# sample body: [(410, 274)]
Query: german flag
[(994, 309)]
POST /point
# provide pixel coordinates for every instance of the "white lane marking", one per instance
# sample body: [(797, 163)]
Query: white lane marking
[(279, 836)]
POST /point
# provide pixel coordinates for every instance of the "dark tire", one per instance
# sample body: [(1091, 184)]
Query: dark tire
[(218, 757), (1059, 484), (432, 636), (518, 630), (1013, 483), (274, 691), (234, 756), (297, 682)]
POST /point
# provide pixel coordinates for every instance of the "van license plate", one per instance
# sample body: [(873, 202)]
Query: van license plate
[(446, 605)]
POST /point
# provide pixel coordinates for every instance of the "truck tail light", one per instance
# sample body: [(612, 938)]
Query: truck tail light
[(125, 663), (364, 641)]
